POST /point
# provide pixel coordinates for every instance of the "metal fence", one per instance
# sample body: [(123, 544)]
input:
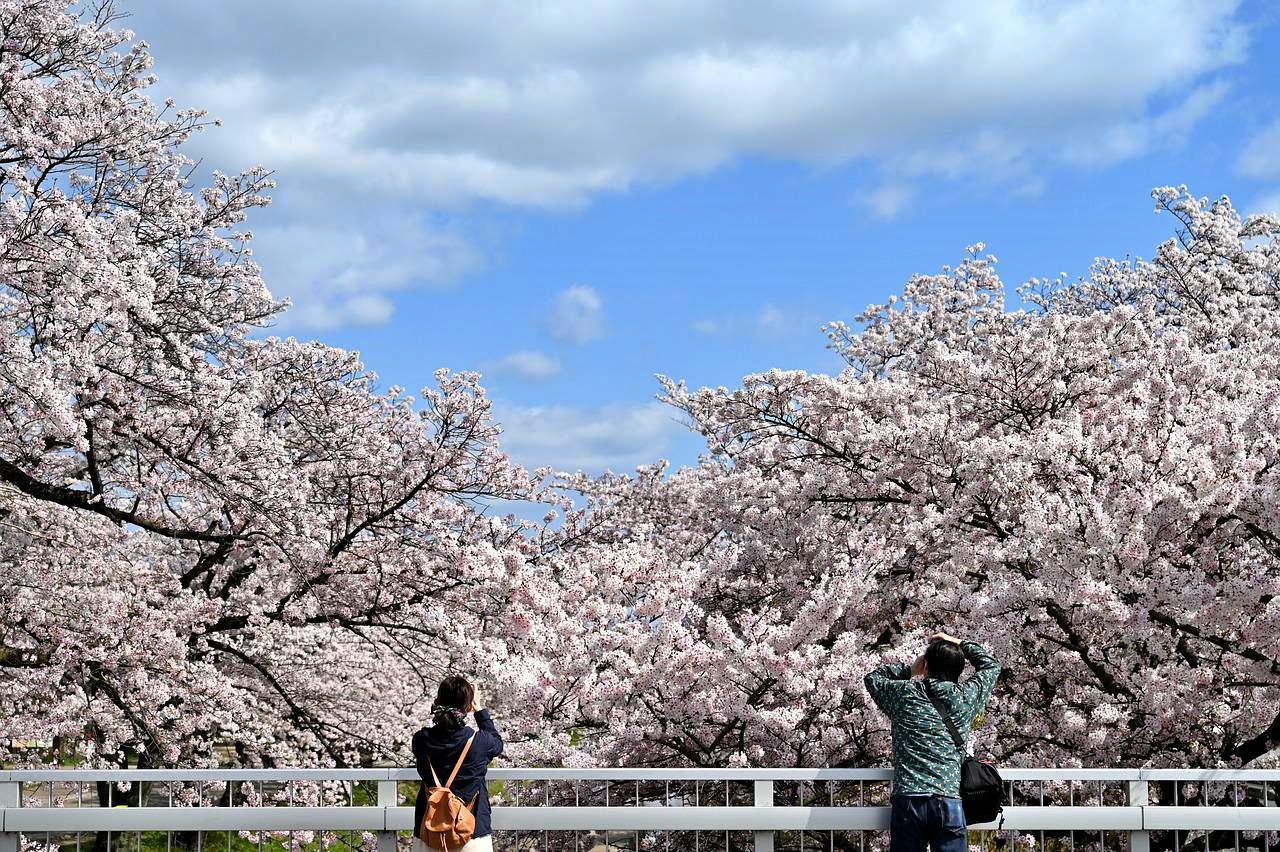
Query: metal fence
[(592, 810)]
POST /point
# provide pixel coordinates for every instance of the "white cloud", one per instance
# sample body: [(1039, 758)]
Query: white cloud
[(1261, 157), (888, 200), (1132, 138), (774, 323), (343, 272), (1267, 204), (369, 309), (384, 105), (770, 323), (526, 364), (618, 436), (577, 316)]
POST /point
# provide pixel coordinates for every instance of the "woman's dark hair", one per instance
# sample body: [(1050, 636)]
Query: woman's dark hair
[(945, 660), (454, 696)]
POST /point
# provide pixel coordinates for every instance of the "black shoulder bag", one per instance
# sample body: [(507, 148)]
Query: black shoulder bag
[(981, 787)]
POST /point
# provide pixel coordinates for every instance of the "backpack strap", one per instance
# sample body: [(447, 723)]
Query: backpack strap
[(461, 757), (951, 726)]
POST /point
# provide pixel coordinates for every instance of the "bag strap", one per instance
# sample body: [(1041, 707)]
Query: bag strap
[(461, 757), (951, 726)]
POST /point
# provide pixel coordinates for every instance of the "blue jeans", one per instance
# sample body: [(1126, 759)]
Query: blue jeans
[(936, 822)]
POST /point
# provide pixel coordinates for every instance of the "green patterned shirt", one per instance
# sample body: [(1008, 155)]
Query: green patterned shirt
[(925, 758)]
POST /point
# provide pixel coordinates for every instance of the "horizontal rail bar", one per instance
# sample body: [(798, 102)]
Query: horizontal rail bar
[(175, 775), (1211, 775), (495, 773), (621, 774), (1240, 819), (670, 818), (784, 818), (675, 774), (709, 818), (190, 819)]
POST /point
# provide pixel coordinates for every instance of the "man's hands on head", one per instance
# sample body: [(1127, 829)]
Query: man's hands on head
[(946, 637)]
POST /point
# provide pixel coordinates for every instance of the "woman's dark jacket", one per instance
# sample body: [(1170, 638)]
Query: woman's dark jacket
[(437, 747)]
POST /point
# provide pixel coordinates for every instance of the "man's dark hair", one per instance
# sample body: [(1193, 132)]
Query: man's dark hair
[(945, 660), (455, 692)]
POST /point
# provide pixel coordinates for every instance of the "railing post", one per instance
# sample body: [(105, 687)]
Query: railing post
[(764, 799), (1140, 796), (10, 797), (388, 797)]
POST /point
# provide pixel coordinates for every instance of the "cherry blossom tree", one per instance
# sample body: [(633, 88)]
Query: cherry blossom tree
[(209, 536), (1086, 484), (212, 537)]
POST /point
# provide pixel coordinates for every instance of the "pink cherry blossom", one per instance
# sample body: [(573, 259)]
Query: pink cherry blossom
[(219, 545)]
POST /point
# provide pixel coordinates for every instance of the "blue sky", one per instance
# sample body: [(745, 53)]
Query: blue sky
[(571, 197)]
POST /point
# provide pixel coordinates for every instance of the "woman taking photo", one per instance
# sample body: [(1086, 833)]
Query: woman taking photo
[(439, 752)]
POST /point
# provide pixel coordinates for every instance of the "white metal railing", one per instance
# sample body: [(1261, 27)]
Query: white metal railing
[(716, 808)]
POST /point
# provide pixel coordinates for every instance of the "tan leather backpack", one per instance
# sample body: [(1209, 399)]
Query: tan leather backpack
[(448, 823)]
